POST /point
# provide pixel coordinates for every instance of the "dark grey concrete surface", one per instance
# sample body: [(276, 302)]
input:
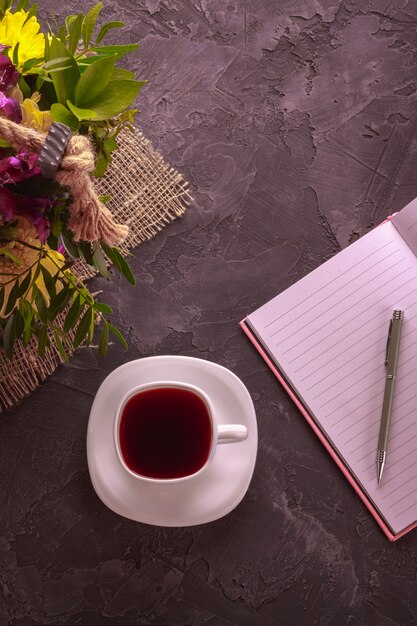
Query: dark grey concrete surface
[(295, 123)]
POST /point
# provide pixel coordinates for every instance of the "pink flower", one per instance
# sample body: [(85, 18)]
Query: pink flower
[(10, 108), (24, 165), (8, 206), (33, 209), (8, 74)]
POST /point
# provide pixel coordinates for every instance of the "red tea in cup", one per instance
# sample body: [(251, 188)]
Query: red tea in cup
[(165, 433)]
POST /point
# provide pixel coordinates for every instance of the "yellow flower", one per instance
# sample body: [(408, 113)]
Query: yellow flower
[(15, 30), (10, 271), (32, 116)]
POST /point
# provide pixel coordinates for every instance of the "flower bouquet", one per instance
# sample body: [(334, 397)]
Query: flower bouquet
[(48, 224)]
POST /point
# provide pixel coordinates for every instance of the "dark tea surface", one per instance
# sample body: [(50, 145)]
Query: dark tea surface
[(165, 433)]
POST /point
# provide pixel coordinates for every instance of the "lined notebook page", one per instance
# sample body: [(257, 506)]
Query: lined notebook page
[(406, 223), (328, 335)]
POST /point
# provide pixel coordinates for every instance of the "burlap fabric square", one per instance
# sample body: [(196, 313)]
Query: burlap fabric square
[(146, 194)]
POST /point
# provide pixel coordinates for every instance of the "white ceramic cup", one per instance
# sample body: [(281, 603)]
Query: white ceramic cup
[(220, 433)]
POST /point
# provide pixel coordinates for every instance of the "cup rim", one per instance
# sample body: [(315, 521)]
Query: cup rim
[(162, 385)]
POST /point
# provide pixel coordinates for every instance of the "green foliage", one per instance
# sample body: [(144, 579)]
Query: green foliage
[(81, 114), (17, 5), (89, 93), (89, 23), (64, 70), (60, 113), (62, 292), (117, 96), (93, 82), (80, 82)]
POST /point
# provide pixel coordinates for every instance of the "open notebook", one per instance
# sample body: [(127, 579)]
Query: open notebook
[(325, 338)]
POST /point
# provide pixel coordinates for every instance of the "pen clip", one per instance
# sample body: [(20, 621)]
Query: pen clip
[(388, 342)]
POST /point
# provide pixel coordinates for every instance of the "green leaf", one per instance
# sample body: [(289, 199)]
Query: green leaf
[(83, 327), (24, 285), (41, 80), (67, 265), (47, 46), (30, 63), (118, 334), (109, 145), (118, 96), (43, 340), (5, 4), (60, 113), (124, 266), (22, 5), (121, 73), (70, 246), (41, 307), (114, 258), (70, 20), (119, 51), (75, 33), (81, 114), (62, 35), (90, 22), (73, 314), (60, 301), (100, 261), (86, 252), (35, 276), (60, 346), (27, 335), (64, 80), (49, 282), (104, 340), (56, 63), (103, 308), (85, 62), (56, 225), (24, 87), (105, 29), (16, 54), (92, 327), (12, 299), (32, 11), (101, 165), (9, 337), (26, 312), (19, 324), (93, 81)]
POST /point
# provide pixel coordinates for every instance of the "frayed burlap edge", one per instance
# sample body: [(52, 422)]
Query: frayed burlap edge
[(146, 194)]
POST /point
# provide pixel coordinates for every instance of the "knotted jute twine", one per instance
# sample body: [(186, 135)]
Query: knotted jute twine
[(89, 219), (146, 194)]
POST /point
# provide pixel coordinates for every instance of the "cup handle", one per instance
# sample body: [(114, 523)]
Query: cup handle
[(231, 433)]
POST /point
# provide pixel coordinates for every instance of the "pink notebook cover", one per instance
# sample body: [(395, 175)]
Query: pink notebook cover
[(324, 441)]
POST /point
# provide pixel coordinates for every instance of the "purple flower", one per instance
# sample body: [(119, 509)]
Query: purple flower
[(24, 165), (10, 108), (33, 209), (8, 206), (8, 73)]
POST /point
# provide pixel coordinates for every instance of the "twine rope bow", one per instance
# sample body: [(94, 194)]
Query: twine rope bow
[(89, 219)]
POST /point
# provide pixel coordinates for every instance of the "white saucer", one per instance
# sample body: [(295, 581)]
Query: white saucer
[(198, 500)]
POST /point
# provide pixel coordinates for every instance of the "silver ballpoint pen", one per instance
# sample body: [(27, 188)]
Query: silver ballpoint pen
[(391, 362)]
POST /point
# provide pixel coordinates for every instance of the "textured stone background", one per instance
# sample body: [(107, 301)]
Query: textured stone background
[(295, 123)]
